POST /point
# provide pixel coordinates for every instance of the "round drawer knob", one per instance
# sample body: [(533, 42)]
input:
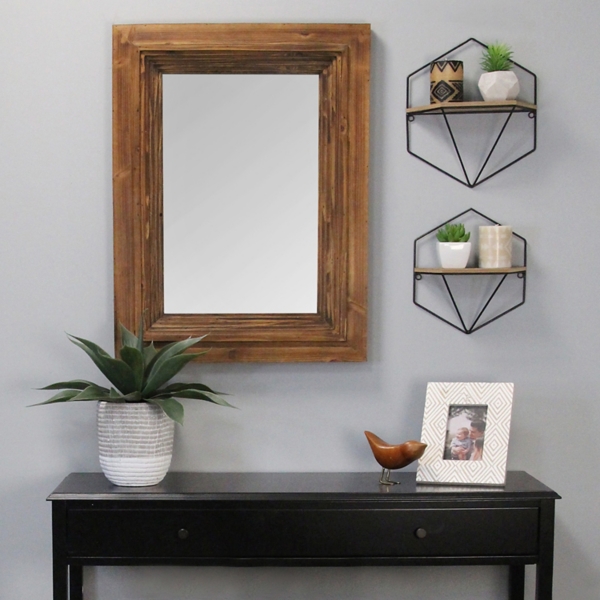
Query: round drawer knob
[(183, 534), (421, 533)]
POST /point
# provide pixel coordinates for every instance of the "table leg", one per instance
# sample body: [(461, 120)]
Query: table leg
[(60, 575), (516, 582), (60, 567), (545, 565), (75, 582)]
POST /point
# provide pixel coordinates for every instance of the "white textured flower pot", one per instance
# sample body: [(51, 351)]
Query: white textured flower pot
[(499, 85), (135, 442), (454, 255)]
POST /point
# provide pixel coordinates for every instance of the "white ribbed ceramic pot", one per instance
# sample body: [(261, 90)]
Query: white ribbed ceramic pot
[(135, 442)]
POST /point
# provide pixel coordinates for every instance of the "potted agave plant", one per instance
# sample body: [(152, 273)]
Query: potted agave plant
[(454, 247), (498, 82), (137, 413)]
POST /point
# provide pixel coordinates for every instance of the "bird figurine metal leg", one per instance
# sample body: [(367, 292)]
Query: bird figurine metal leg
[(393, 456), (385, 478)]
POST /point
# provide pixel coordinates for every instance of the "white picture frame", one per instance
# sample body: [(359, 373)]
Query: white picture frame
[(451, 407)]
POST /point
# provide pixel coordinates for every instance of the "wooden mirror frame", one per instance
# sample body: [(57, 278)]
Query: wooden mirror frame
[(340, 55)]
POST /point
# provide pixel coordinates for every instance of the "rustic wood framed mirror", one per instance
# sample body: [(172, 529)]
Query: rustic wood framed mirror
[(339, 56)]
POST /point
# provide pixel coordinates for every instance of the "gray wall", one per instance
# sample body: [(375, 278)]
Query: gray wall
[(56, 276)]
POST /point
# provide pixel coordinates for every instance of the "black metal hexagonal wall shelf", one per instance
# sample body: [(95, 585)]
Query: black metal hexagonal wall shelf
[(467, 299), (481, 139)]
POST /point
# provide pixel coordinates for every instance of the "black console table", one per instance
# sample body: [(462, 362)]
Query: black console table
[(314, 519)]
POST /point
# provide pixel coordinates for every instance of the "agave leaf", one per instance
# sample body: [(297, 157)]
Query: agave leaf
[(178, 387), (157, 396), (133, 397), (130, 339), (140, 336), (116, 396), (157, 355), (116, 371), (149, 353), (64, 396), (87, 345), (91, 392), (164, 370), (172, 408), (208, 396), (172, 349), (127, 338), (74, 384), (135, 359)]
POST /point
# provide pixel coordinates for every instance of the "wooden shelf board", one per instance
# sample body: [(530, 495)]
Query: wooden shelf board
[(479, 106), (469, 271)]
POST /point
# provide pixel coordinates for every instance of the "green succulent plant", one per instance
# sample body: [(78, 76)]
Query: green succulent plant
[(453, 232), (139, 375), (497, 57)]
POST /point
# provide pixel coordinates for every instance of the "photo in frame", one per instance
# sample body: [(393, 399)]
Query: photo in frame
[(466, 427)]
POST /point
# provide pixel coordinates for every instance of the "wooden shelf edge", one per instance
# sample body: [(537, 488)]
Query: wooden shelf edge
[(469, 271), (480, 105)]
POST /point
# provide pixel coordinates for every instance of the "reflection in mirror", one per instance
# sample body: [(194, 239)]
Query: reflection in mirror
[(240, 181)]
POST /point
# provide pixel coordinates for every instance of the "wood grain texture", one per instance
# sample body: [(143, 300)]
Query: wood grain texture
[(340, 55), (478, 106), (470, 271)]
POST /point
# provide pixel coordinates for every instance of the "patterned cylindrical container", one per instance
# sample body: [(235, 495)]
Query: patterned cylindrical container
[(446, 81), (495, 246)]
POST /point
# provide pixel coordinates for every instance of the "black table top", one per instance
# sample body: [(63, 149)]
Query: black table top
[(301, 486)]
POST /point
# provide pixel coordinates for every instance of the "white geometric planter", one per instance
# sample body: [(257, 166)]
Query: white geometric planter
[(499, 85), (454, 255), (135, 443)]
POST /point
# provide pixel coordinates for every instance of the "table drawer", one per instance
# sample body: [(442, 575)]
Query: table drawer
[(311, 533)]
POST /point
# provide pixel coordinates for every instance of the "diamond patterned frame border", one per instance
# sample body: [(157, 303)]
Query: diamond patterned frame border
[(491, 470)]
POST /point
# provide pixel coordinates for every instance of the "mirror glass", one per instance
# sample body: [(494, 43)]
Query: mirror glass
[(240, 206)]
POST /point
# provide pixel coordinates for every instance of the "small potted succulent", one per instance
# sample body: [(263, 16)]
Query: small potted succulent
[(498, 82), (137, 413), (454, 247)]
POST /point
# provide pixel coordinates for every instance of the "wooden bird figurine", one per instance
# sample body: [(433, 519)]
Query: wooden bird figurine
[(391, 456)]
